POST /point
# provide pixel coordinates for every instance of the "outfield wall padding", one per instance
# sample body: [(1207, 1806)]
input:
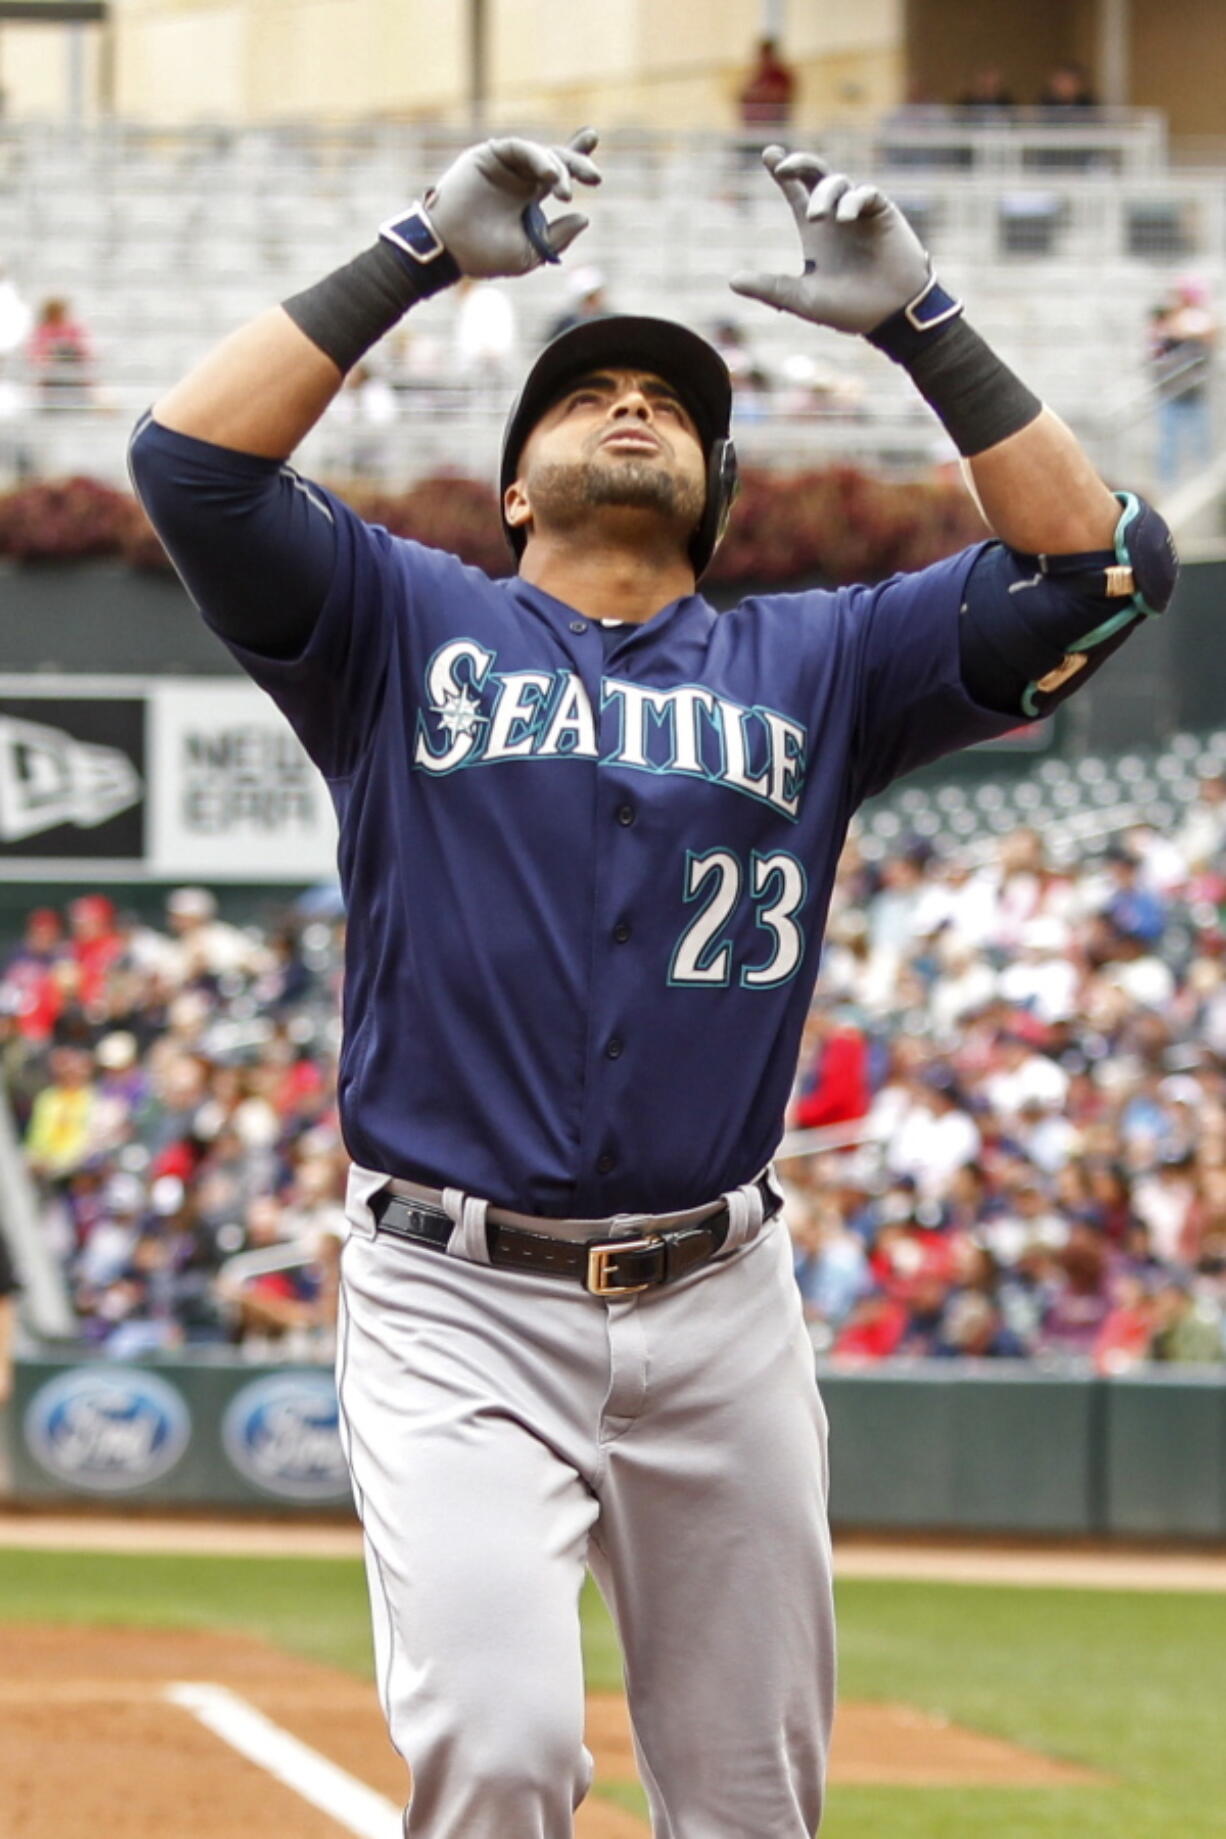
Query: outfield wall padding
[(1165, 1455), (1007, 1450), (997, 1448), (207, 1433)]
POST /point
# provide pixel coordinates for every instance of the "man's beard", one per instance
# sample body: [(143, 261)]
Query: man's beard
[(565, 494)]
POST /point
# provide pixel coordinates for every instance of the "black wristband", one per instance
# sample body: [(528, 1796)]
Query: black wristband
[(978, 398), (350, 309)]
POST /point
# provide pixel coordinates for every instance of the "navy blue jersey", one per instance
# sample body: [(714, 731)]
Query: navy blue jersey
[(586, 880)]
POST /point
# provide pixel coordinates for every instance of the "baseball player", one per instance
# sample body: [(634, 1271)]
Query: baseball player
[(588, 828)]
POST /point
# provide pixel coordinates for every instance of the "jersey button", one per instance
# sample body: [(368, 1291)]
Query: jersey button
[(578, 625), (615, 1047), (621, 932), (625, 814), (606, 1164)]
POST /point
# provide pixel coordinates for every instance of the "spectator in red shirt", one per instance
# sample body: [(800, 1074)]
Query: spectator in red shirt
[(873, 1330), (834, 1078), (95, 942), (766, 99)]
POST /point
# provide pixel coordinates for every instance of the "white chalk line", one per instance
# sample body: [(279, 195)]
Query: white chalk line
[(331, 1789)]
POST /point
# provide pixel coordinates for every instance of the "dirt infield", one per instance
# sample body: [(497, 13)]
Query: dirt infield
[(1021, 1566), (140, 1767), (90, 1744)]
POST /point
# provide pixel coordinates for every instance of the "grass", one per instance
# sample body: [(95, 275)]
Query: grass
[(1131, 1684), (315, 1607)]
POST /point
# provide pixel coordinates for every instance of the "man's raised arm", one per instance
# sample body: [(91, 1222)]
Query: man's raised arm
[(267, 385), (260, 391), (256, 549), (1081, 566)]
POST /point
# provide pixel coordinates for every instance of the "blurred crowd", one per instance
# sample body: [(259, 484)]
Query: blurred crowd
[(1007, 1131), (1066, 92), (175, 1086), (484, 348), (1026, 1062)]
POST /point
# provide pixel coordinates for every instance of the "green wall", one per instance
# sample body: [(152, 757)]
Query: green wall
[(990, 1449)]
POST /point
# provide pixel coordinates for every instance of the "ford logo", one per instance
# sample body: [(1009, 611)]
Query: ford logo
[(282, 1435), (107, 1429)]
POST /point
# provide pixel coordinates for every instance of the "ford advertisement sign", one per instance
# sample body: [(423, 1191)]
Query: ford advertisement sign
[(282, 1435), (107, 1429)]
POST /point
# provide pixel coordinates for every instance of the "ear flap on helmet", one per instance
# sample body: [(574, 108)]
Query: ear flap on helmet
[(721, 490)]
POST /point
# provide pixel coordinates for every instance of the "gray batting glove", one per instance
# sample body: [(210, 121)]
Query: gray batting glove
[(863, 261), (486, 208)]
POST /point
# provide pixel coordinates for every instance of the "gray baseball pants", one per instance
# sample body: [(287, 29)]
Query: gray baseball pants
[(505, 1431)]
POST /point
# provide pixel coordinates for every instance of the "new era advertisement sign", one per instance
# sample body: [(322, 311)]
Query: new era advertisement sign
[(232, 793), (72, 777), (158, 779)]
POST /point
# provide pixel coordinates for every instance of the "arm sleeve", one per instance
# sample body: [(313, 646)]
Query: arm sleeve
[(304, 593), (254, 545)]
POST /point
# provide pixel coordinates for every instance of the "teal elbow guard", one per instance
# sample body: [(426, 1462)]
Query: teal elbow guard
[(1133, 580), (1144, 545)]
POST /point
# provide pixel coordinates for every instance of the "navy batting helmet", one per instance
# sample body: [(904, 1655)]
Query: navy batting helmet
[(667, 350)]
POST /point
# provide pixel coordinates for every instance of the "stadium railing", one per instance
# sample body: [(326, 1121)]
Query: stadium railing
[(1089, 210), (46, 1306)]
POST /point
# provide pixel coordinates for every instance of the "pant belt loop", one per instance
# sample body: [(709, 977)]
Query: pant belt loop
[(469, 1238), (745, 1213)]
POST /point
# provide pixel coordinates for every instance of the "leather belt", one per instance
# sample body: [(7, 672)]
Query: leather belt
[(609, 1264)]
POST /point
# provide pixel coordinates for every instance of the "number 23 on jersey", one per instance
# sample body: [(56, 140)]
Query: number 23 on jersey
[(775, 884)]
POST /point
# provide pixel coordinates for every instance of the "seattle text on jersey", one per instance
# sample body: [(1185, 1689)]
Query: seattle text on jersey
[(474, 715)]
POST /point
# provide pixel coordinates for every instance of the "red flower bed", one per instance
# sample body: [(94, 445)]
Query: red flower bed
[(834, 522), (63, 520)]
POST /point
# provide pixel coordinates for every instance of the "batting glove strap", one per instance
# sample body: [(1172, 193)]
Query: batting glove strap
[(906, 333), (415, 239)]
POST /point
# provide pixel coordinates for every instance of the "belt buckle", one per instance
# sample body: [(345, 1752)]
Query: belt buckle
[(599, 1281)]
